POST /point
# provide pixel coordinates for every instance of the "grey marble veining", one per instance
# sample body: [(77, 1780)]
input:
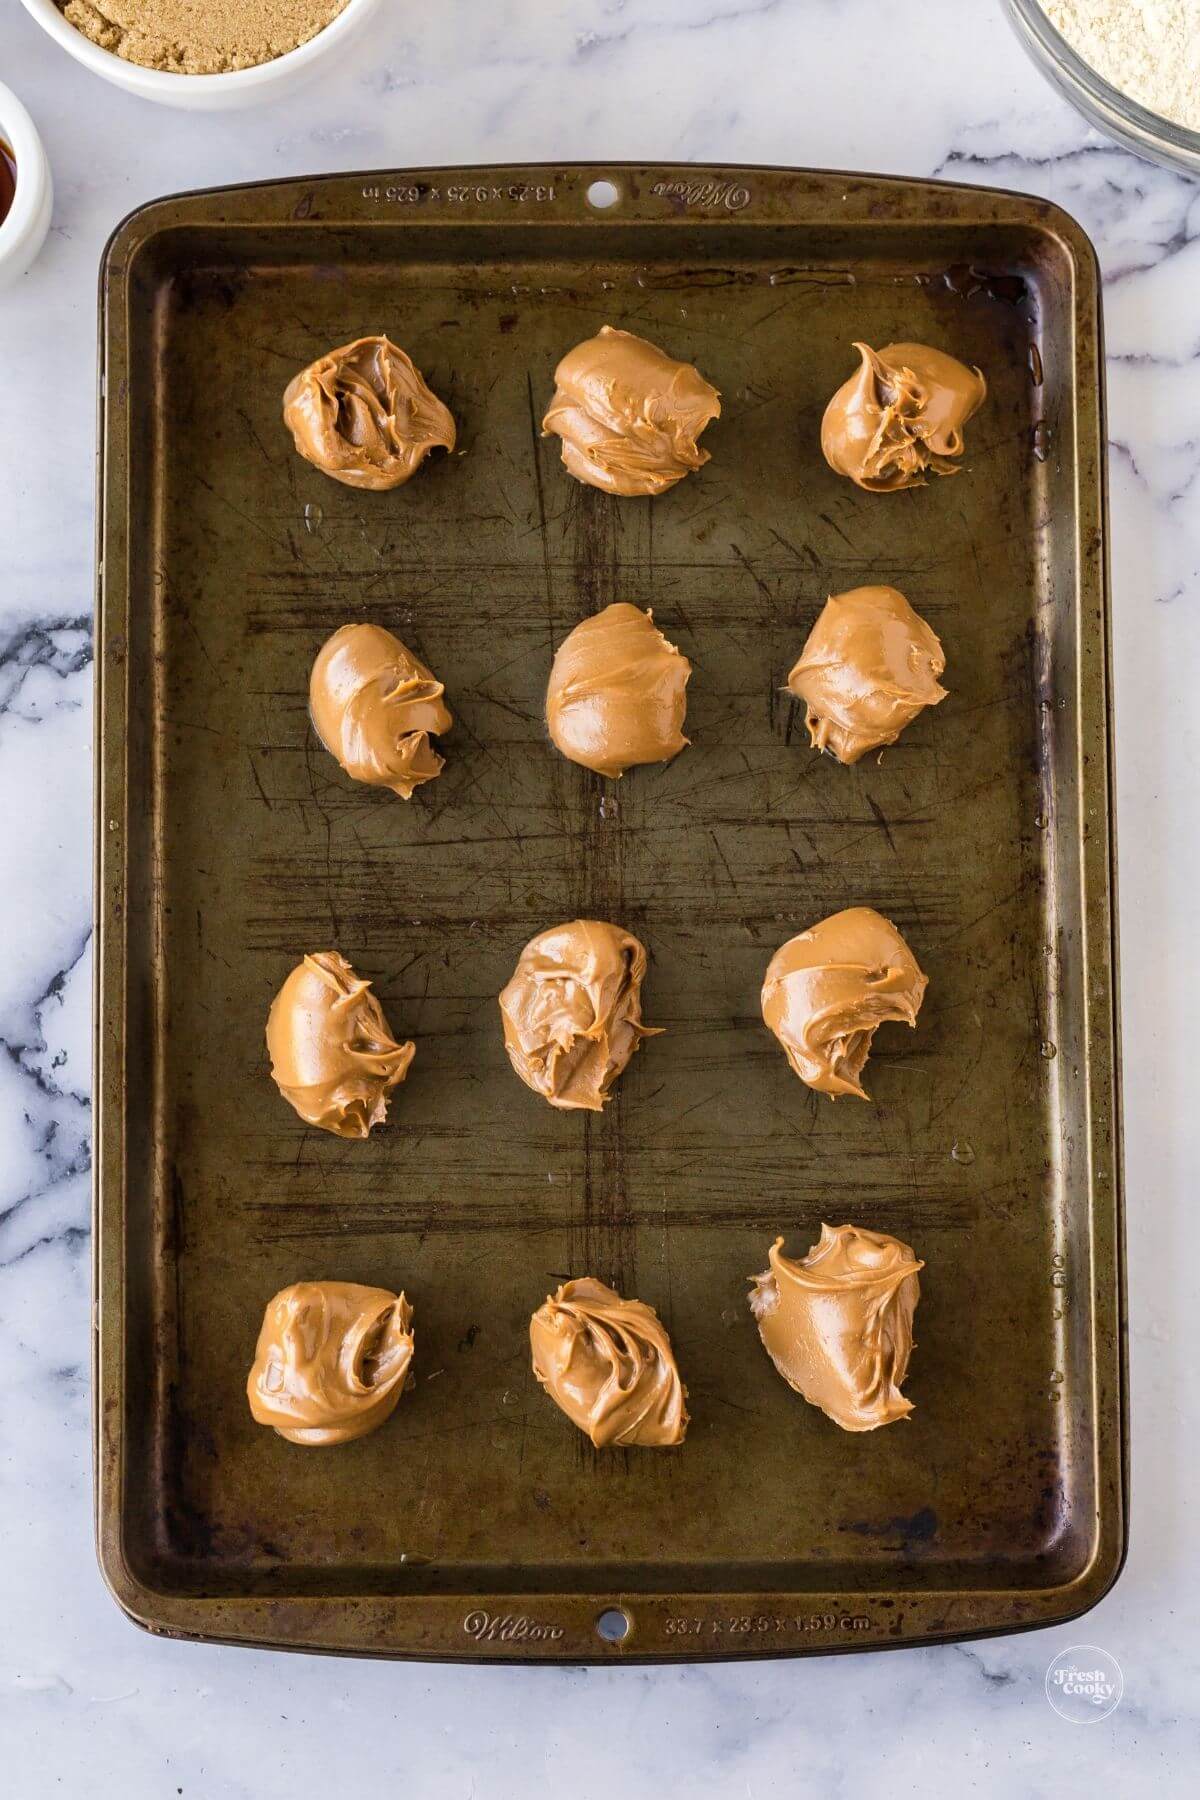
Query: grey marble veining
[(88, 1705)]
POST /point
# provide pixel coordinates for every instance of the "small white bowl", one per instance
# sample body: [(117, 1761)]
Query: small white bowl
[(23, 231), (205, 93)]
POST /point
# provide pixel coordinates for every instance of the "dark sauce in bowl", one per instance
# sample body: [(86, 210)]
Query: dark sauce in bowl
[(8, 180)]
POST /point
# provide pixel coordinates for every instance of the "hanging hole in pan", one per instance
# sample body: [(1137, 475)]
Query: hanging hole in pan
[(602, 195), (613, 1625)]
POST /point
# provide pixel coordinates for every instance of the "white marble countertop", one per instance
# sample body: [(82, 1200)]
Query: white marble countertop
[(88, 1704)]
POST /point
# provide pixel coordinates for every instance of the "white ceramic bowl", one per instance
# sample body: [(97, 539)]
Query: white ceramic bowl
[(206, 93), (23, 231)]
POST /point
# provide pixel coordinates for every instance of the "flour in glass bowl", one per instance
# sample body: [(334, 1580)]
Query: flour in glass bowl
[(1148, 49)]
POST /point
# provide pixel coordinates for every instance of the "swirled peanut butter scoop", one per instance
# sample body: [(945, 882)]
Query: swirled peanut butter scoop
[(838, 1323), (364, 415), (375, 705), (829, 989), (332, 1361), (608, 1363), (629, 415), (573, 1012), (332, 1055), (869, 667), (617, 693), (900, 417)]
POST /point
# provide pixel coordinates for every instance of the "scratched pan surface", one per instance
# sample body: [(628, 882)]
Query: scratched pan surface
[(478, 1523)]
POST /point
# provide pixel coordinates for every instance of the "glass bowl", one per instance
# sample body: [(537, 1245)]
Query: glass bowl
[(1104, 106)]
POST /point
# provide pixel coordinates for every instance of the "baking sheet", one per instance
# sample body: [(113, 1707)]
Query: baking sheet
[(478, 1523)]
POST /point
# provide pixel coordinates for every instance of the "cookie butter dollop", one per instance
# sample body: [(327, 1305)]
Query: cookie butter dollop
[(608, 1363), (628, 414), (332, 1055), (828, 990), (900, 417), (838, 1323), (617, 693), (364, 415), (375, 706), (573, 1011), (870, 665), (331, 1362)]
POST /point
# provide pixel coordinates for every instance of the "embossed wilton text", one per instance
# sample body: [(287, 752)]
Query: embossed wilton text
[(508, 1628)]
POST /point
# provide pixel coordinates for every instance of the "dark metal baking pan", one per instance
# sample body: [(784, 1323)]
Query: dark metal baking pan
[(478, 1523)]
